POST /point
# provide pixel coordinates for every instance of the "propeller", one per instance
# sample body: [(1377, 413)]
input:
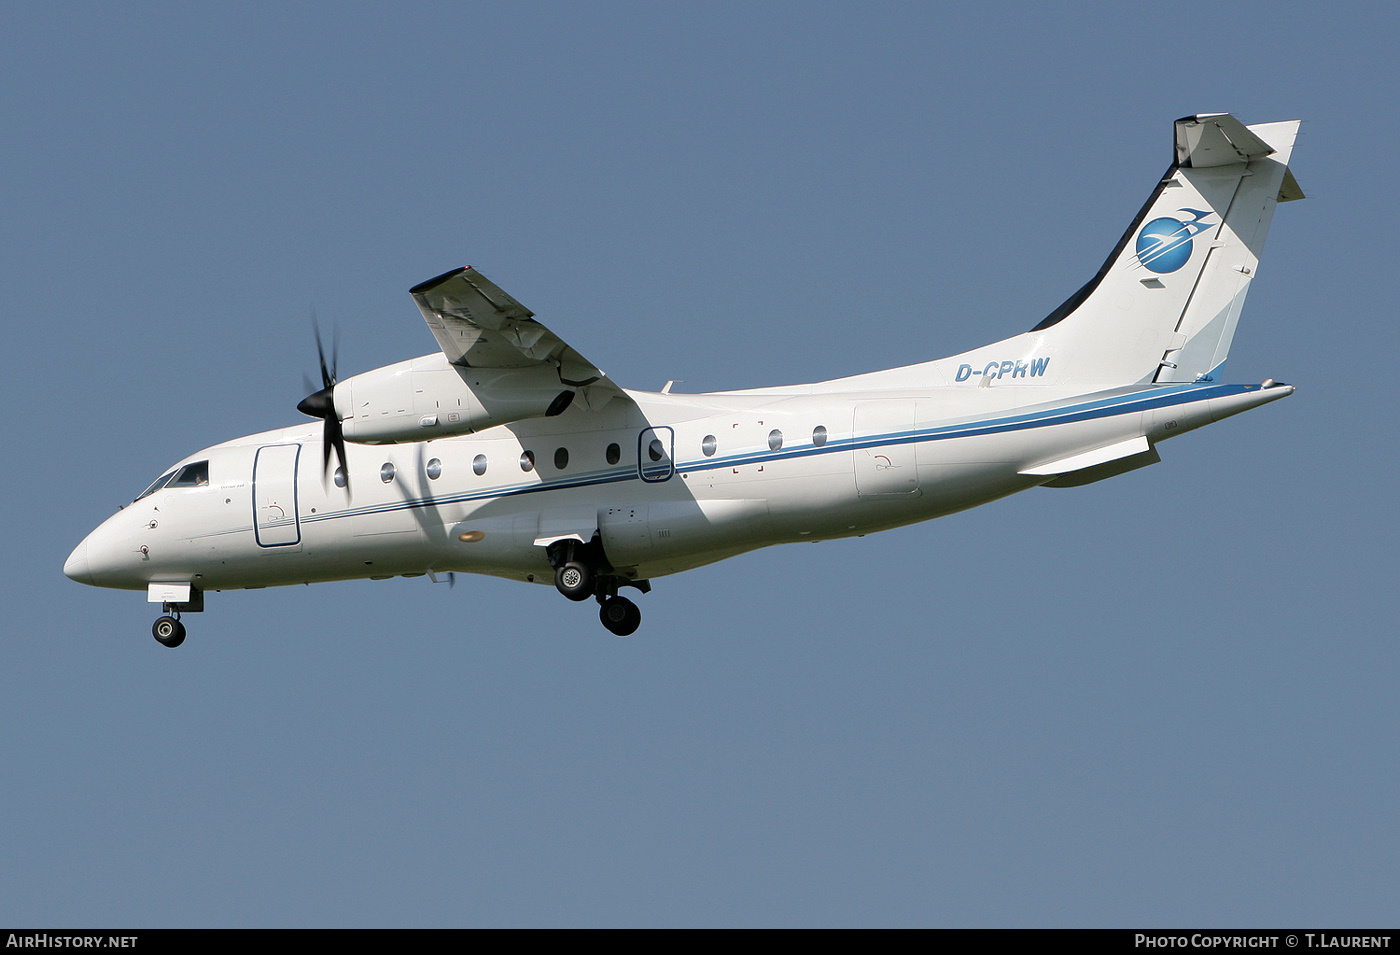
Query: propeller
[(322, 405)]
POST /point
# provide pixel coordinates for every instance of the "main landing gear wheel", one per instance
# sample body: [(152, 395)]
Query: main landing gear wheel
[(168, 631), (620, 616), (574, 580)]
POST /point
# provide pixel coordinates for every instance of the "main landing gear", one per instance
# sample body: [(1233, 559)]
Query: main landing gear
[(581, 571), (574, 579), (620, 615)]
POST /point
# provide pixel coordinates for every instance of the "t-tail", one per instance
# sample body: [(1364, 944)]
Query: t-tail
[(1164, 306)]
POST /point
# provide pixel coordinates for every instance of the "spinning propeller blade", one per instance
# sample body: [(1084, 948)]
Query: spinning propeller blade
[(322, 405)]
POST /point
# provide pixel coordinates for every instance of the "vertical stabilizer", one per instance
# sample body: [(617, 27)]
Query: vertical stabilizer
[(1165, 305)]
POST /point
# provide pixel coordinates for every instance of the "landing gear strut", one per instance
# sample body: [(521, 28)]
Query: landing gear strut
[(582, 571), (169, 631)]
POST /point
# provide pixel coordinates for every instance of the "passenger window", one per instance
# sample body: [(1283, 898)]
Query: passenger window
[(192, 475), (614, 454), (434, 469), (527, 461), (819, 435), (561, 459), (479, 465), (386, 473), (775, 439), (708, 445)]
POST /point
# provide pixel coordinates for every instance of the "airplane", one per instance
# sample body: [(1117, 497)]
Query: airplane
[(506, 452)]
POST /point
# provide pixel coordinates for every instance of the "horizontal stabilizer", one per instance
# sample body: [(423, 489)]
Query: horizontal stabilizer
[(1290, 191), (1216, 139)]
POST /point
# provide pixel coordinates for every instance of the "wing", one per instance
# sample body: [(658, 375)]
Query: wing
[(477, 325)]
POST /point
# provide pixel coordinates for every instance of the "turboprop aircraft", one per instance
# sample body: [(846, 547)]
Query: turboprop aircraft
[(507, 452)]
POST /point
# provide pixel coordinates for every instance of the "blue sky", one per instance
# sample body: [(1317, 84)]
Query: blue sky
[(1166, 699)]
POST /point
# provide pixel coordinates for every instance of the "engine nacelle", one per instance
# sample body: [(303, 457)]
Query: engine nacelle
[(425, 398)]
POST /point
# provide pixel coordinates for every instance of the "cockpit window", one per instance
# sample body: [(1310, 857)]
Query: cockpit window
[(192, 475), (160, 482)]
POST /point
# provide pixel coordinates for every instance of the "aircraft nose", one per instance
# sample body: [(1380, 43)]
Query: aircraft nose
[(76, 566), (107, 557)]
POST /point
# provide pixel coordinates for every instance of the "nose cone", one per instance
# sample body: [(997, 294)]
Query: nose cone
[(109, 556), (76, 567)]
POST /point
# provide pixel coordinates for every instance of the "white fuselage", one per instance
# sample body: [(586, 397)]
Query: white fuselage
[(667, 482), (507, 452)]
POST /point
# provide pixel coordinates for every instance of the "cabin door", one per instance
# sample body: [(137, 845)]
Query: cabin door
[(884, 452), (275, 521)]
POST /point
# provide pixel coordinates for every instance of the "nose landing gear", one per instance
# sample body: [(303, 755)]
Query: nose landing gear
[(169, 631)]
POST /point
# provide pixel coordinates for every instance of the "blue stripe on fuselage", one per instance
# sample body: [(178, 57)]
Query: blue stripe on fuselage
[(1070, 411)]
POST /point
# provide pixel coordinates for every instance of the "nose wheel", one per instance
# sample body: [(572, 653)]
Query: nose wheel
[(168, 631)]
